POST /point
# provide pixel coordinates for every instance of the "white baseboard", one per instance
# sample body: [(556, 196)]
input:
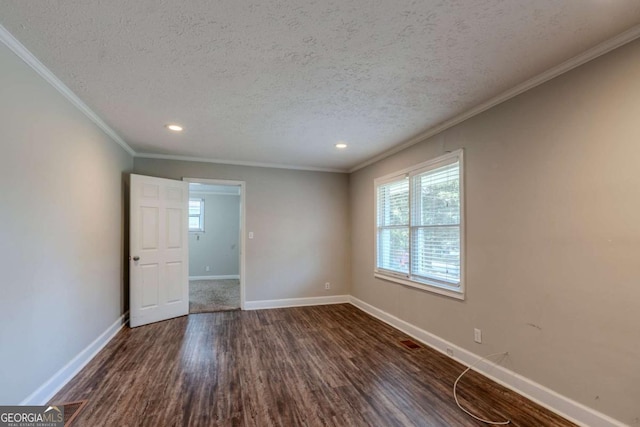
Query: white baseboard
[(47, 390), (296, 302), (562, 405), (232, 276), (570, 409)]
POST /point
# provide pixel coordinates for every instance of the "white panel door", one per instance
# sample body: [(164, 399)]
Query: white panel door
[(159, 276)]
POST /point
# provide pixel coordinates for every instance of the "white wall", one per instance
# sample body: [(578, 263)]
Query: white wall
[(61, 230), (553, 235), (218, 247), (300, 221)]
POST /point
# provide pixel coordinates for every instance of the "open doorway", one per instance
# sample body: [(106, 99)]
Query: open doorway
[(215, 245)]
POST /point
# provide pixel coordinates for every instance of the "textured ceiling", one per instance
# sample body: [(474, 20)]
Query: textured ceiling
[(281, 81)]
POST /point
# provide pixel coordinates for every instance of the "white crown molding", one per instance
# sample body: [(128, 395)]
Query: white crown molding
[(586, 56), (236, 162), (23, 53)]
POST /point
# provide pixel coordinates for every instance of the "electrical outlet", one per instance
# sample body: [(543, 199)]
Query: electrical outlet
[(327, 285), (449, 352), (207, 268), (251, 234), (477, 335)]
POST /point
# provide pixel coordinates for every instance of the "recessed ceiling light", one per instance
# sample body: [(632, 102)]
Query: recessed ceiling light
[(341, 145), (175, 128)]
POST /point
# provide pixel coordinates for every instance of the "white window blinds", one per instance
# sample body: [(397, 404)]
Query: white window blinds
[(393, 226), (196, 214), (419, 224), (435, 224)]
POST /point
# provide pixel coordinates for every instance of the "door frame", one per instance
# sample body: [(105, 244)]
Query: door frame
[(243, 214)]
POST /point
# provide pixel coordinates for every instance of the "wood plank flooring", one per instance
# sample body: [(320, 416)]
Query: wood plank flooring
[(310, 366)]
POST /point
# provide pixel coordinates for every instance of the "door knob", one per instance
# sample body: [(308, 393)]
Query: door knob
[(136, 258)]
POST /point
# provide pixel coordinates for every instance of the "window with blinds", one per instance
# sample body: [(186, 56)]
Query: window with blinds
[(393, 226), (196, 215), (419, 235)]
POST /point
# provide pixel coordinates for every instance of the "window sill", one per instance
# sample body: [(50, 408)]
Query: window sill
[(457, 293)]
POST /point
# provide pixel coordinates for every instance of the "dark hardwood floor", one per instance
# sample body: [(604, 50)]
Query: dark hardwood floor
[(309, 366)]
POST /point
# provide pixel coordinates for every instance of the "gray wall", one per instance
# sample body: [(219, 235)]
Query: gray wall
[(300, 221), (553, 235), (61, 230), (219, 246), (552, 232)]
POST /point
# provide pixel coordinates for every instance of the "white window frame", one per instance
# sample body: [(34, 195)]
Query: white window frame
[(434, 286), (201, 229)]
